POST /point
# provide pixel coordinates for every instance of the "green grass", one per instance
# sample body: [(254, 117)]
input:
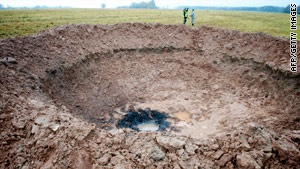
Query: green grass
[(27, 22)]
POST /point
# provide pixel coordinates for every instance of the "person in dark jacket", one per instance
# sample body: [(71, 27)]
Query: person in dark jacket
[(185, 14)]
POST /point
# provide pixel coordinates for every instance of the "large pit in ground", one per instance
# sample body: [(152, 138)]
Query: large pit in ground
[(201, 95), (199, 82)]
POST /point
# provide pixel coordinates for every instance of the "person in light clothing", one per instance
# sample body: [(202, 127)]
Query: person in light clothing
[(193, 16)]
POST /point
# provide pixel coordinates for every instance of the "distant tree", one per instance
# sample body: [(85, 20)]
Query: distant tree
[(287, 9), (103, 5), (37, 7), (270, 9), (152, 4)]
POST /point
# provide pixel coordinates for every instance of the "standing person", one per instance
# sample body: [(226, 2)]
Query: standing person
[(193, 16), (185, 14), (184, 19)]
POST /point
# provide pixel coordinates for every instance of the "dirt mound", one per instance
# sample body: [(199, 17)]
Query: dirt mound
[(228, 97)]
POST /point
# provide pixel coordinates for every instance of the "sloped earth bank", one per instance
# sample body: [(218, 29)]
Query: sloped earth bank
[(230, 99)]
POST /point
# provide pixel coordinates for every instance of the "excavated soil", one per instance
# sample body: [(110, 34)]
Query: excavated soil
[(221, 98)]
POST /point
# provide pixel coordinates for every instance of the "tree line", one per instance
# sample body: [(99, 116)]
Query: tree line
[(35, 7), (143, 5), (151, 5), (256, 9)]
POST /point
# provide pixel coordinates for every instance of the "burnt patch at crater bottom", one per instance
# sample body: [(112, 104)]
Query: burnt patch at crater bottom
[(133, 118)]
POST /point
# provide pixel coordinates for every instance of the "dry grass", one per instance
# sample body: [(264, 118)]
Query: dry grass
[(27, 22)]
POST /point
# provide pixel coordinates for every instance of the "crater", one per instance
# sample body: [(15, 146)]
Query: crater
[(156, 93), (194, 94)]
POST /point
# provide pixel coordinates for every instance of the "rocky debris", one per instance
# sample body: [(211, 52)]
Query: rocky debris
[(19, 161), (54, 127), (8, 60), (287, 152), (294, 136), (19, 124), (34, 129), (170, 143), (224, 160), (105, 159), (253, 128), (35, 104), (181, 153), (157, 154), (266, 157), (245, 145), (191, 148), (218, 155), (43, 120), (81, 159), (245, 160)]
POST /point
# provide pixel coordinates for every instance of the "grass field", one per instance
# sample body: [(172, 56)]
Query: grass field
[(27, 22)]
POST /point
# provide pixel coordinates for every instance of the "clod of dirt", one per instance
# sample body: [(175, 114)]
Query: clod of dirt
[(157, 154), (245, 160), (170, 143)]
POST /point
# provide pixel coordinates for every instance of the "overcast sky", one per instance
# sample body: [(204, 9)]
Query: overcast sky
[(159, 3)]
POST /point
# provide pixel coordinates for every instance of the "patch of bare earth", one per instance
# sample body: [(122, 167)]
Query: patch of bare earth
[(229, 96)]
